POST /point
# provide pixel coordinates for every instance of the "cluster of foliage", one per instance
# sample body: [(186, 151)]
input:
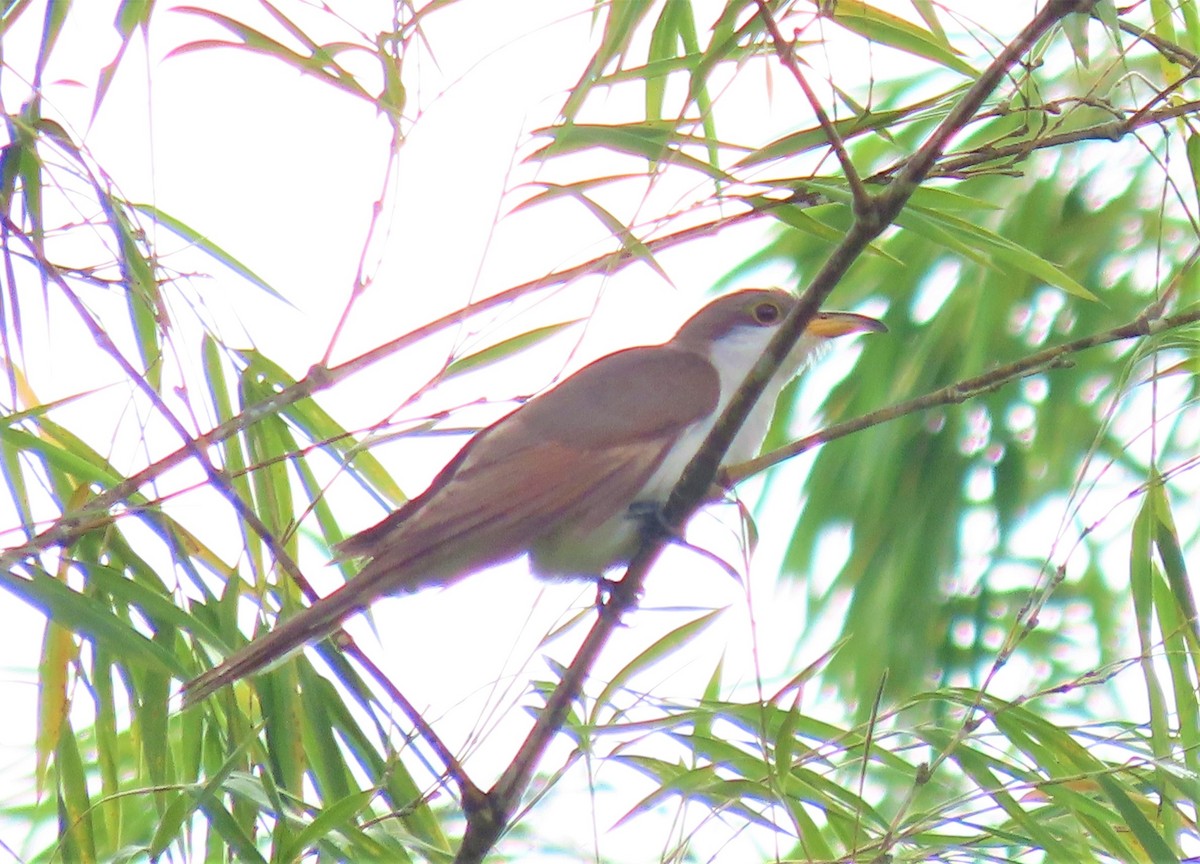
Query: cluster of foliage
[(1012, 636)]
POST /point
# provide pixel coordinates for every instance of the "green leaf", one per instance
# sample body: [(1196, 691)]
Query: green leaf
[(1170, 551), (797, 143), (321, 428), (210, 248), (983, 245), (1075, 27), (664, 647), (58, 651), (505, 348), (657, 142), (86, 615), (1147, 836), (633, 245), (77, 832), (52, 27), (336, 817), (880, 26), (147, 310), (318, 63), (620, 24)]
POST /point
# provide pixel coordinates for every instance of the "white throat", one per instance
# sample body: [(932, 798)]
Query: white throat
[(734, 356)]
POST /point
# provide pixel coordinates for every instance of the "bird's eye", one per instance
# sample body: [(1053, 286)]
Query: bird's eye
[(767, 312)]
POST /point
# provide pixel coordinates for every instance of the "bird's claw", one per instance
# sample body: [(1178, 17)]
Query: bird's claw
[(649, 516)]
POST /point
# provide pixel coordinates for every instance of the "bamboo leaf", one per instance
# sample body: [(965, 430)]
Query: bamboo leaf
[(667, 645), (206, 245), (1147, 836), (505, 348), (979, 244), (654, 141), (620, 24), (77, 832), (319, 63), (85, 615), (58, 652), (324, 431), (879, 26)]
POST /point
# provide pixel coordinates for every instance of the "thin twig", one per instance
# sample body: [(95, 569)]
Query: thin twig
[(787, 56), (1112, 130), (468, 791), (961, 391)]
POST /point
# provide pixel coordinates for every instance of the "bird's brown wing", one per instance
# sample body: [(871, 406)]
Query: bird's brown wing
[(577, 454), (492, 512)]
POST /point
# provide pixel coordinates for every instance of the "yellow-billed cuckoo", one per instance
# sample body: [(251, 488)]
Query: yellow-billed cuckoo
[(558, 476)]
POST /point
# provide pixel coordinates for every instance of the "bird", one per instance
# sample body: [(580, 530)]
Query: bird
[(564, 476)]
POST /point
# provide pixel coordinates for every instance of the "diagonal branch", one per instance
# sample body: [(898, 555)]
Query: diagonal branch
[(961, 391), (487, 820), (96, 511), (867, 226)]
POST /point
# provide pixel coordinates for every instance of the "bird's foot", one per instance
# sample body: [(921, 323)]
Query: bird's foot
[(606, 591), (649, 516)]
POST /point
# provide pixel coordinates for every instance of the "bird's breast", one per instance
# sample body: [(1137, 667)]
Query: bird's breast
[(572, 551)]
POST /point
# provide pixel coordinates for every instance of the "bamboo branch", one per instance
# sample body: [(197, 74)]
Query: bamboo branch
[(486, 823), (962, 391)]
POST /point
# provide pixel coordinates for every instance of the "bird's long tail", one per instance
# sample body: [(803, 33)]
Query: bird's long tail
[(309, 625)]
